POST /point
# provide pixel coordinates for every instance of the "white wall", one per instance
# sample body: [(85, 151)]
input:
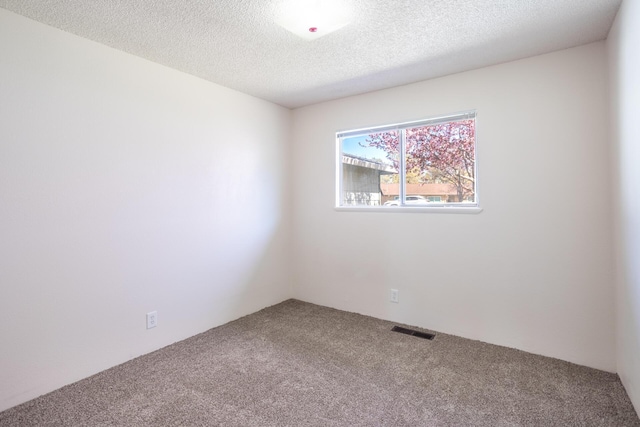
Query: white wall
[(624, 62), (126, 187), (534, 270)]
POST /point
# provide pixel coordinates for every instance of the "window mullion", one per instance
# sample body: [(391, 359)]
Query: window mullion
[(401, 175)]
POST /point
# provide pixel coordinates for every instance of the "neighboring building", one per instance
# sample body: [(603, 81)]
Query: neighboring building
[(361, 184), (439, 193), (361, 180)]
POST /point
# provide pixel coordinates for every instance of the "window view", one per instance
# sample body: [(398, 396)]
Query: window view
[(428, 163)]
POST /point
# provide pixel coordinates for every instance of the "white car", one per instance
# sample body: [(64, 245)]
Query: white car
[(409, 200)]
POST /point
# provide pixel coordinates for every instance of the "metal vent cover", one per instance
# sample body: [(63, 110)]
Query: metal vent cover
[(424, 335)]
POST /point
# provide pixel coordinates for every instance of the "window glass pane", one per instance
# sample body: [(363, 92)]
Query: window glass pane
[(365, 167), (440, 163)]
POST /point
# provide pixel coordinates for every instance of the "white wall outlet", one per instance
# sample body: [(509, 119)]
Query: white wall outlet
[(152, 319), (394, 296)]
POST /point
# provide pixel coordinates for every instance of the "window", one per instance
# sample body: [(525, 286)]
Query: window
[(429, 163)]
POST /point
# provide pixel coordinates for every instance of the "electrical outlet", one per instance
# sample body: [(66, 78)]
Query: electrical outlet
[(394, 296), (152, 319)]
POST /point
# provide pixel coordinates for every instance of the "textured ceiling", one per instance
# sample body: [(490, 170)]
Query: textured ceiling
[(236, 43)]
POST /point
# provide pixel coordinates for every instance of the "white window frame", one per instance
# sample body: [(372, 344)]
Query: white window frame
[(432, 207)]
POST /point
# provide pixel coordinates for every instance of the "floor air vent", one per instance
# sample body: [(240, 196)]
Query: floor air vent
[(425, 335)]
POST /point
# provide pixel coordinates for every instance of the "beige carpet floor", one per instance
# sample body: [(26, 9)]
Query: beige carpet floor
[(299, 364)]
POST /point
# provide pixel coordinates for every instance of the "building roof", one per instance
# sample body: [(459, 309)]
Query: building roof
[(368, 163), (420, 189)]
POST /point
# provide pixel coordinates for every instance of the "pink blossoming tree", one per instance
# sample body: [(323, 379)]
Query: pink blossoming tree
[(443, 153)]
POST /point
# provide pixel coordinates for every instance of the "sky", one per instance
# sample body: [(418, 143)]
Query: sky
[(352, 146)]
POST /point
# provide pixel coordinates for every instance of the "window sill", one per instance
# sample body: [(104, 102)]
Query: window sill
[(411, 209)]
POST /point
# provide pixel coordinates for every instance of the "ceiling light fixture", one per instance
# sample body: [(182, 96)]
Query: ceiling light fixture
[(312, 19)]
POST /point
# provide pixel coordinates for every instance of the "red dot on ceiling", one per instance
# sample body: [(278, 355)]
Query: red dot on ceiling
[(313, 29)]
